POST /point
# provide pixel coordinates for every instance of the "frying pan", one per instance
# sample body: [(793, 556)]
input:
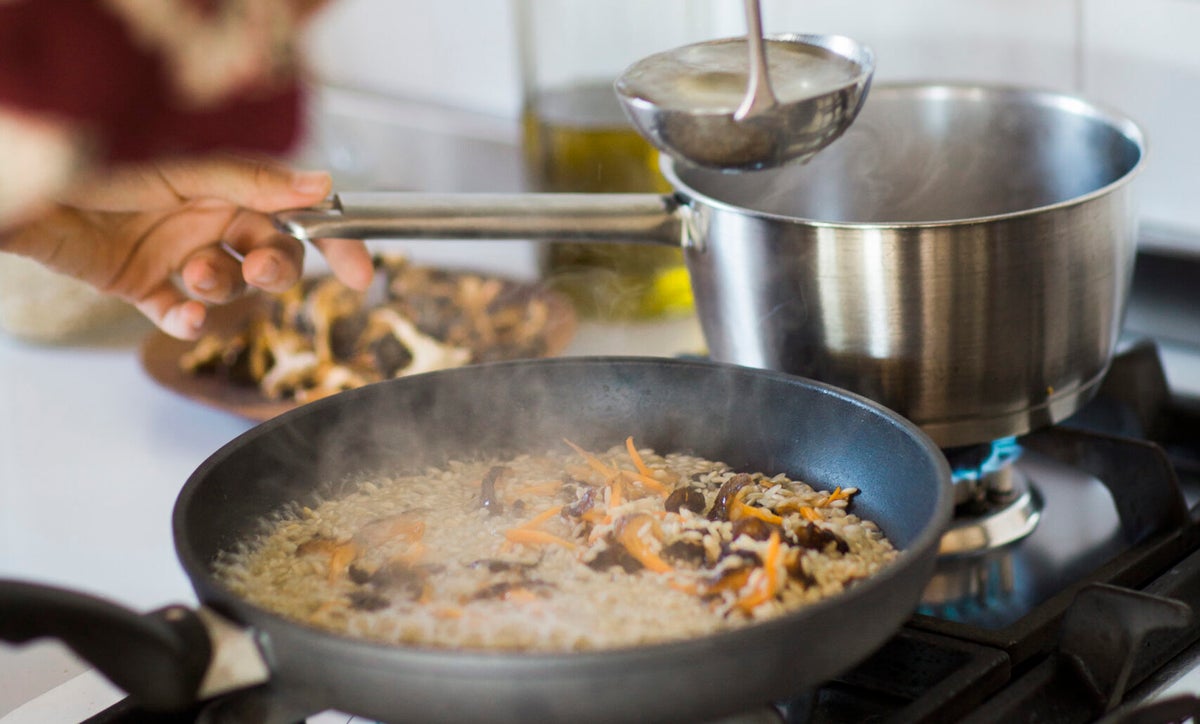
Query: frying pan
[(755, 420)]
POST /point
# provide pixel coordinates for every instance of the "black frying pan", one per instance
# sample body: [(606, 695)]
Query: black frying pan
[(752, 419)]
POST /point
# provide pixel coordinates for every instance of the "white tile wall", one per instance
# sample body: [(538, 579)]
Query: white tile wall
[(1140, 57)]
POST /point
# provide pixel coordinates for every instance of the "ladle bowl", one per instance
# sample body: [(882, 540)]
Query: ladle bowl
[(701, 124)]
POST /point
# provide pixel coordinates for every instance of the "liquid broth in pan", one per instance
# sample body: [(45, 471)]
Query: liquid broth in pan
[(564, 551)]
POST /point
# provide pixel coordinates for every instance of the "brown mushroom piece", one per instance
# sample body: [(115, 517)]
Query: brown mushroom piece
[(725, 496), (756, 528), (389, 355), (488, 498), (615, 555), (685, 497), (583, 504), (795, 570), (400, 577), (814, 537), (368, 601), (683, 550)]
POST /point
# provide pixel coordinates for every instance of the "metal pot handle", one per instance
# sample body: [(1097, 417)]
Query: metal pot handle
[(636, 218)]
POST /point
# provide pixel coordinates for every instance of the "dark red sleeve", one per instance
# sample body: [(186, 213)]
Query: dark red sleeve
[(78, 60)]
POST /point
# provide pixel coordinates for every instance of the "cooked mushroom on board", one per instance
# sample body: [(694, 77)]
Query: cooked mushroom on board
[(321, 337)]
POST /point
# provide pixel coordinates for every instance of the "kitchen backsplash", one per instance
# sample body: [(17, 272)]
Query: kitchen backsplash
[(449, 69)]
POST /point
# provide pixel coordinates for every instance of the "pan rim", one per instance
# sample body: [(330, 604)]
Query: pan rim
[(216, 596)]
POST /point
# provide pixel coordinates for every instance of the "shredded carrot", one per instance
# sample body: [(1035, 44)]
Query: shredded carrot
[(547, 488), (740, 509), (685, 587), (770, 580), (527, 537), (649, 482), (541, 517), (592, 515), (617, 497), (340, 558), (520, 595), (644, 474), (732, 582), (836, 495), (636, 457), (810, 514), (749, 511), (447, 613), (628, 533), (592, 461)]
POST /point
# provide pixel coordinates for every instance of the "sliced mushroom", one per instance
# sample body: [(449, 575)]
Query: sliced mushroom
[(488, 498), (685, 497), (725, 495)]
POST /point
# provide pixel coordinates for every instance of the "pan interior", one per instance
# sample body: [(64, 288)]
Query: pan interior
[(921, 153), (754, 421)]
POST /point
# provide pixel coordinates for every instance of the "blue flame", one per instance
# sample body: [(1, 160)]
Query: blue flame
[(1004, 451)]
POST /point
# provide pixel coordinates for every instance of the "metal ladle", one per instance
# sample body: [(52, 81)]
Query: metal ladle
[(696, 104)]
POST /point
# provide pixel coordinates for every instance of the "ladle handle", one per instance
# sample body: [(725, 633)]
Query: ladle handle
[(641, 218), (759, 96)]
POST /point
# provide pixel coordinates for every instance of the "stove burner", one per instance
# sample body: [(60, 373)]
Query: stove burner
[(995, 504), (980, 472), (1003, 517)]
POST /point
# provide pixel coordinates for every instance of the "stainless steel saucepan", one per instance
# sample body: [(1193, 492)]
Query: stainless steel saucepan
[(962, 255)]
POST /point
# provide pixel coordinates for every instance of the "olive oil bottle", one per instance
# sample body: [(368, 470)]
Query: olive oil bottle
[(577, 139)]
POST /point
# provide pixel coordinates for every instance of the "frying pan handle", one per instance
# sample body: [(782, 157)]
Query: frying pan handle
[(158, 658), (640, 218)]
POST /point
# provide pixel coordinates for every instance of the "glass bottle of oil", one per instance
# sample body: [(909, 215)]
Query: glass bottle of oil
[(577, 139)]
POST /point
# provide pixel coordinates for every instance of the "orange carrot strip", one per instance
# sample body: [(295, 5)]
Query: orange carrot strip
[(447, 613), (592, 461), (644, 474), (636, 457), (766, 591), (744, 510), (526, 536), (547, 488), (592, 516), (541, 517), (616, 498), (740, 509), (837, 494), (810, 514), (652, 483), (627, 535), (340, 558), (520, 595)]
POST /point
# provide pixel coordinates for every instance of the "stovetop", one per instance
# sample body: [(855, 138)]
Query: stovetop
[(1085, 619)]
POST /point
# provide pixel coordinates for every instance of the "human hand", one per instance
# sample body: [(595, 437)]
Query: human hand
[(172, 237)]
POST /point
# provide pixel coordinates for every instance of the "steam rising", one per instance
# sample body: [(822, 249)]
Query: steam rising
[(939, 154), (749, 419)]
